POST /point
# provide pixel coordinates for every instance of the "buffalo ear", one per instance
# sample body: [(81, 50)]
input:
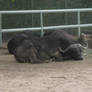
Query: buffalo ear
[(83, 40)]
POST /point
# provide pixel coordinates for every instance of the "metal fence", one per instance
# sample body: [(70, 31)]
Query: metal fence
[(42, 27)]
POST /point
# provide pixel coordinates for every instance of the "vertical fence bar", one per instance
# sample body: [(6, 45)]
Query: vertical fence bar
[(66, 14), (41, 20), (78, 17), (0, 30), (32, 5)]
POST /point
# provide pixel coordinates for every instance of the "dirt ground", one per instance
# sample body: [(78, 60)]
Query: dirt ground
[(67, 76)]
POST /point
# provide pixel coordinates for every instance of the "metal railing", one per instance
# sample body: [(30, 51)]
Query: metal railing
[(42, 27)]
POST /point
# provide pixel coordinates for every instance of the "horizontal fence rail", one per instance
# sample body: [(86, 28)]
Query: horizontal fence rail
[(42, 27), (46, 11), (45, 28)]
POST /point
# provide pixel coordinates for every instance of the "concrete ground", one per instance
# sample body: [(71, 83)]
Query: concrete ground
[(68, 76)]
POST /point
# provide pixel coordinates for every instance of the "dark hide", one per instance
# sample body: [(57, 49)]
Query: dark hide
[(26, 53), (38, 50), (17, 40), (66, 40)]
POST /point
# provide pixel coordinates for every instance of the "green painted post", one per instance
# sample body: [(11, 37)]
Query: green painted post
[(41, 20), (78, 24), (0, 30), (66, 14)]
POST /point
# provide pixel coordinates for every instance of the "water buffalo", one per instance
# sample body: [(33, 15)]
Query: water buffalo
[(55, 45)]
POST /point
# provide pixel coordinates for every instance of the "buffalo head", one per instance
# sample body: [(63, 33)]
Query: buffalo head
[(69, 47), (75, 50)]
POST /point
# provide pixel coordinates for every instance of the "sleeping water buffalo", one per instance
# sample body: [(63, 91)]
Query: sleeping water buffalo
[(56, 45)]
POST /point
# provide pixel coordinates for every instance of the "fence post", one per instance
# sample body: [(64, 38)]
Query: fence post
[(78, 16), (0, 30), (41, 20)]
